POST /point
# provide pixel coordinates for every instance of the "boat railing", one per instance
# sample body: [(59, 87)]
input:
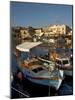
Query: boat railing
[(50, 65)]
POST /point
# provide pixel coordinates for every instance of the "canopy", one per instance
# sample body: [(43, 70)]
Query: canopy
[(26, 46)]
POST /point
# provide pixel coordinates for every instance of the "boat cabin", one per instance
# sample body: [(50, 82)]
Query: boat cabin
[(63, 63), (25, 49), (27, 55)]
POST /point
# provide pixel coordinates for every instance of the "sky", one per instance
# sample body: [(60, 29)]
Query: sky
[(39, 15)]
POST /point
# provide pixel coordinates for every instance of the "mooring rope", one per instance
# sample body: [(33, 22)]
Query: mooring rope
[(20, 92)]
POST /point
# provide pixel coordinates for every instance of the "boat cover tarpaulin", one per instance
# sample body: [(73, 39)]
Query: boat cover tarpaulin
[(26, 46)]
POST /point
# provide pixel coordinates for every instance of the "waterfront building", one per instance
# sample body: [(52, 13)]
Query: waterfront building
[(57, 29), (24, 34)]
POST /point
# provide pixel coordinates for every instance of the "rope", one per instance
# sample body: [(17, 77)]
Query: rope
[(20, 92)]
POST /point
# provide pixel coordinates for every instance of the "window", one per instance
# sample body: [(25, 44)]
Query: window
[(24, 32), (58, 62), (37, 69), (65, 61), (62, 28)]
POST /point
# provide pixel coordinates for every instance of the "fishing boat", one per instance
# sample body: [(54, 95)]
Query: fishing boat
[(34, 69), (65, 64)]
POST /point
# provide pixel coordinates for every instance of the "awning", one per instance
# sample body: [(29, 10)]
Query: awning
[(26, 46)]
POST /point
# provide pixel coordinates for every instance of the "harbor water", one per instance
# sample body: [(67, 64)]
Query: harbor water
[(24, 89)]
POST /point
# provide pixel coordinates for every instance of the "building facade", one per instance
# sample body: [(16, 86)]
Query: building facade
[(57, 29)]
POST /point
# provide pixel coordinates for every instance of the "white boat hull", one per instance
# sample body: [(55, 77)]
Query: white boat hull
[(68, 72), (43, 81)]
